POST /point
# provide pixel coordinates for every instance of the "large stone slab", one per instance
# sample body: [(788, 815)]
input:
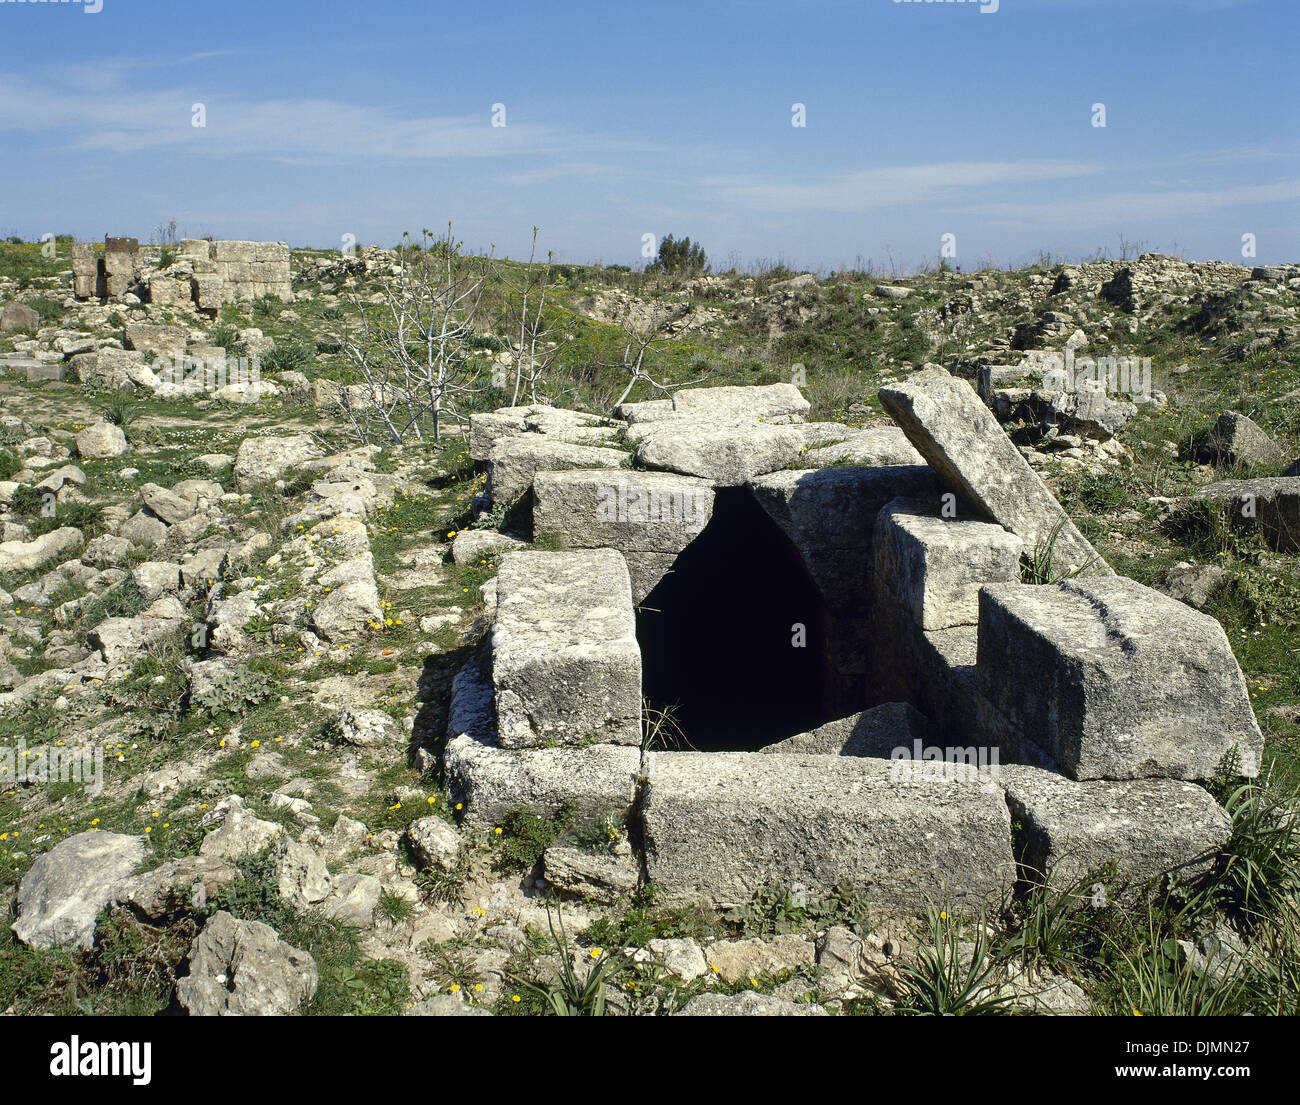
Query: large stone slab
[(1146, 827), (935, 565), (721, 826), (768, 401), (726, 452), (1114, 680), (960, 438), (1272, 504), (873, 447), (648, 516), (490, 781), (874, 732), (513, 462), (63, 893), (764, 401), (566, 665), (574, 427)]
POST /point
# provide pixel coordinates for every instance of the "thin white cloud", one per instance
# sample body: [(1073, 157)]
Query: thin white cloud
[(303, 130), (864, 190), (1099, 210)]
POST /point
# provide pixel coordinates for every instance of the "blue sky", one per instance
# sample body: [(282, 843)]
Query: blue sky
[(372, 117)]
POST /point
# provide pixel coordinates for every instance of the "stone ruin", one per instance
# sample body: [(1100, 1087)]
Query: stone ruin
[(868, 692), (204, 275)]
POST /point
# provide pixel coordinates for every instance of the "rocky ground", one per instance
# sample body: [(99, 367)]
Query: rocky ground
[(256, 616)]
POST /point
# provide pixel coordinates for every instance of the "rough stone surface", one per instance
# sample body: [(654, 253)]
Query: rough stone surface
[(724, 825), (873, 447), (874, 732), (935, 565), (1090, 411), (23, 556), (961, 439), (177, 886), (101, 441), (739, 960), (353, 899), (434, 842), (491, 781), (262, 459), (1272, 504), (369, 729), (595, 876), (1147, 827), (829, 517), (65, 889), (167, 505), (748, 1004), (1235, 439), (679, 956), (766, 401), (566, 665), (1114, 680), (470, 545), (19, 316), (240, 834), (243, 969), (1194, 584)]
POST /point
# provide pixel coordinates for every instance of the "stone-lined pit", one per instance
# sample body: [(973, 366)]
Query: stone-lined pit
[(684, 584)]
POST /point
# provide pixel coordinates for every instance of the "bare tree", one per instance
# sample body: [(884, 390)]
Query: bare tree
[(534, 352), (642, 340), (413, 350)]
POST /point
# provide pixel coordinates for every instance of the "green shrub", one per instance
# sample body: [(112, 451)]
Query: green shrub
[(525, 837), (290, 357)]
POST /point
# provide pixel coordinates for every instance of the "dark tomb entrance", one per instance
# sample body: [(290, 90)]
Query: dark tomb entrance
[(719, 639)]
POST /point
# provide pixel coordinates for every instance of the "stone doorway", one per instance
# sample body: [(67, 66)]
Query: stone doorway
[(718, 636)]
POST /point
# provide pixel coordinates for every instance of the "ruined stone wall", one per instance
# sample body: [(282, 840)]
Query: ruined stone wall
[(205, 274)]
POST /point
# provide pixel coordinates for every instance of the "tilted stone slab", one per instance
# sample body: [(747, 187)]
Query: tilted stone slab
[(721, 826), (1146, 827), (726, 452), (650, 517), (513, 462), (935, 565), (1272, 504), (962, 440), (566, 666), (491, 781), (1115, 680), (875, 732)]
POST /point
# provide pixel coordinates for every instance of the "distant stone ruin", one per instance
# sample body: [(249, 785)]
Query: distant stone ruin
[(866, 691), (204, 275)]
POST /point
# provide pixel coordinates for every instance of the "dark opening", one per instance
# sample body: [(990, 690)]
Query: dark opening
[(718, 635)]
